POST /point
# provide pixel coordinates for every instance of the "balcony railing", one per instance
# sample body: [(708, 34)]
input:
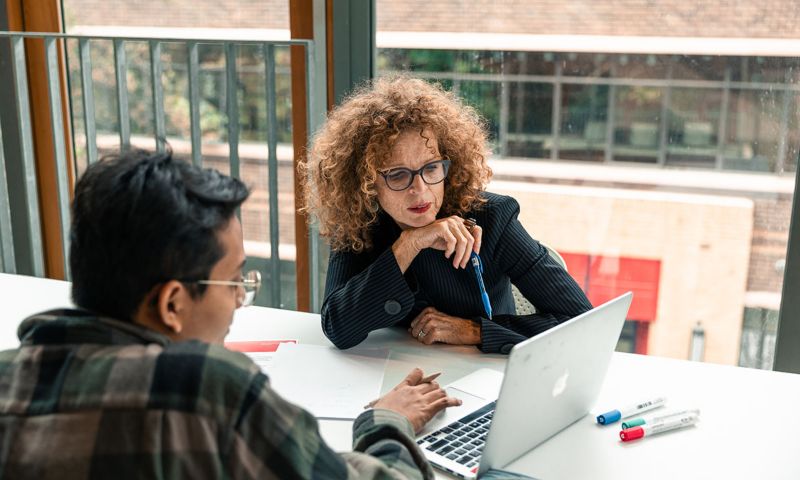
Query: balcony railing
[(21, 239)]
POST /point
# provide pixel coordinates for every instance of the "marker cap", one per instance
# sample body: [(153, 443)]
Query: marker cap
[(632, 423), (609, 417), (631, 434)]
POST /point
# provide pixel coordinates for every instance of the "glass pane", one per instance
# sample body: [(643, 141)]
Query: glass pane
[(627, 339), (699, 67), (240, 20), (642, 66), (693, 126), (529, 63), (485, 97), (789, 163), (584, 109), (587, 65), (755, 130), (417, 60), (530, 124), (652, 163), (637, 124), (758, 338)]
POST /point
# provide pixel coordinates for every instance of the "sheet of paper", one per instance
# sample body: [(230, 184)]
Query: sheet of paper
[(327, 382), (261, 351), (400, 364)]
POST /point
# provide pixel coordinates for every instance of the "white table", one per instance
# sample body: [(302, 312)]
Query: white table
[(22, 296), (749, 421), (748, 427)]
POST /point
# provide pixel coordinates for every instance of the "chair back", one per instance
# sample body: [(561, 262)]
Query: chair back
[(523, 306)]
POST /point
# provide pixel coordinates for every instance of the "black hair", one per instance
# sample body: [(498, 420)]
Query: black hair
[(140, 219)]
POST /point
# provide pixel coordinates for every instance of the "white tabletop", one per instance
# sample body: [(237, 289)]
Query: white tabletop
[(748, 423), (22, 296)]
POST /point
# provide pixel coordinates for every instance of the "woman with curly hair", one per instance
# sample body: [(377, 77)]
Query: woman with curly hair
[(391, 178)]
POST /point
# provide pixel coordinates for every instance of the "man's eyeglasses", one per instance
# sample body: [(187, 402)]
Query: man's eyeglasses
[(400, 178), (251, 282)]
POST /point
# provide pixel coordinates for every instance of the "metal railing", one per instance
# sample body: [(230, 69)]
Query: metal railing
[(7, 262), (19, 187), (554, 138)]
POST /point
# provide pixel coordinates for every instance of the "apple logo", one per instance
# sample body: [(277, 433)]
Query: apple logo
[(561, 384)]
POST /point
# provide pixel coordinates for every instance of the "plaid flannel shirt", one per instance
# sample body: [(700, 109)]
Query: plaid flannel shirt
[(92, 397)]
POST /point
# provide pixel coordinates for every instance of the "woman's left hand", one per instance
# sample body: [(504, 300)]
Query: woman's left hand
[(432, 326)]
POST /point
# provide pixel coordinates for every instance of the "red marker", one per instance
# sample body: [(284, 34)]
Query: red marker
[(669, 424)]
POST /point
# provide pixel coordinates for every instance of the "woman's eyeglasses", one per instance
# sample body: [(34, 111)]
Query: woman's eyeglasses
[(251, 282), (401, 178)]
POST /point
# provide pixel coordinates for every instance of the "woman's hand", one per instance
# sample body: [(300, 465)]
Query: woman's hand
[(416, 400), (432, 326), (448, 234)]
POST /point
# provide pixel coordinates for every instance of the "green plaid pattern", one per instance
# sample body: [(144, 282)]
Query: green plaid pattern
[(92, 397)]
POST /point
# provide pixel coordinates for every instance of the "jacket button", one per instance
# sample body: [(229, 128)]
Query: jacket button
[(392, 307), (506, 348)]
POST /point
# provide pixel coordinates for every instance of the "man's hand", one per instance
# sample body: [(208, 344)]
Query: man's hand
[(432, 326), (417, 401)]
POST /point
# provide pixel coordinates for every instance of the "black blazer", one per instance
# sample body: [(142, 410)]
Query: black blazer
[(366, 291)]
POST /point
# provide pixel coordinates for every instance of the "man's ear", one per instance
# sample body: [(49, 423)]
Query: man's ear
[(174, 305)]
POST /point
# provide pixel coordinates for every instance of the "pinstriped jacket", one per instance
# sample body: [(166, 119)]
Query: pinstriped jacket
[(366, 291), (87, 397)]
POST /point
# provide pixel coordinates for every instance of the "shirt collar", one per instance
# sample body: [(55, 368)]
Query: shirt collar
[(70, 326)]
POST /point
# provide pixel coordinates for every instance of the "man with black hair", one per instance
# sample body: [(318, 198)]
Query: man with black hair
[(135, 383)]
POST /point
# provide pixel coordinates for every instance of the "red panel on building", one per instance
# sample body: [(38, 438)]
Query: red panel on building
[(606, 277), (610, 277), (578, 267)]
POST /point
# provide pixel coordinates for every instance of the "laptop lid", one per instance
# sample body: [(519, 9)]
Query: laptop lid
[(551, 381)]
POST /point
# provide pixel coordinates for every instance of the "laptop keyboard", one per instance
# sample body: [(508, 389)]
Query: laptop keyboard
[(461, 441)]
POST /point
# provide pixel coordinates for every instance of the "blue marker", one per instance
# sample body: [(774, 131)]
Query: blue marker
[(614, 415), (477, 267)]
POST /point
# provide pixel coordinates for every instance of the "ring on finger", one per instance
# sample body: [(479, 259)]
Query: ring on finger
[(469, 224), (421, 334)]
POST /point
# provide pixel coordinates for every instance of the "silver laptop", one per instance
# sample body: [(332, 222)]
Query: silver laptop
[(550, 382)]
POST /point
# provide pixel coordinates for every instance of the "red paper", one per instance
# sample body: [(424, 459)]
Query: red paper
[(256, 346)]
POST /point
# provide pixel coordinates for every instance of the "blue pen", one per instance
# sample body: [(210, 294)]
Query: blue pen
[(477, 267)]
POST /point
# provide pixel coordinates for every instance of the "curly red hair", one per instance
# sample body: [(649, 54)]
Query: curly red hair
[(342, 167)]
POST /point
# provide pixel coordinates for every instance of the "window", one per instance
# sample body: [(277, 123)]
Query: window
[(627, 145), (190, 19)]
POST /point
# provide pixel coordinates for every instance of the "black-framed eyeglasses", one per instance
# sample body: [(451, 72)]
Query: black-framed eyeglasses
[(249, 285), (400, 178)]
